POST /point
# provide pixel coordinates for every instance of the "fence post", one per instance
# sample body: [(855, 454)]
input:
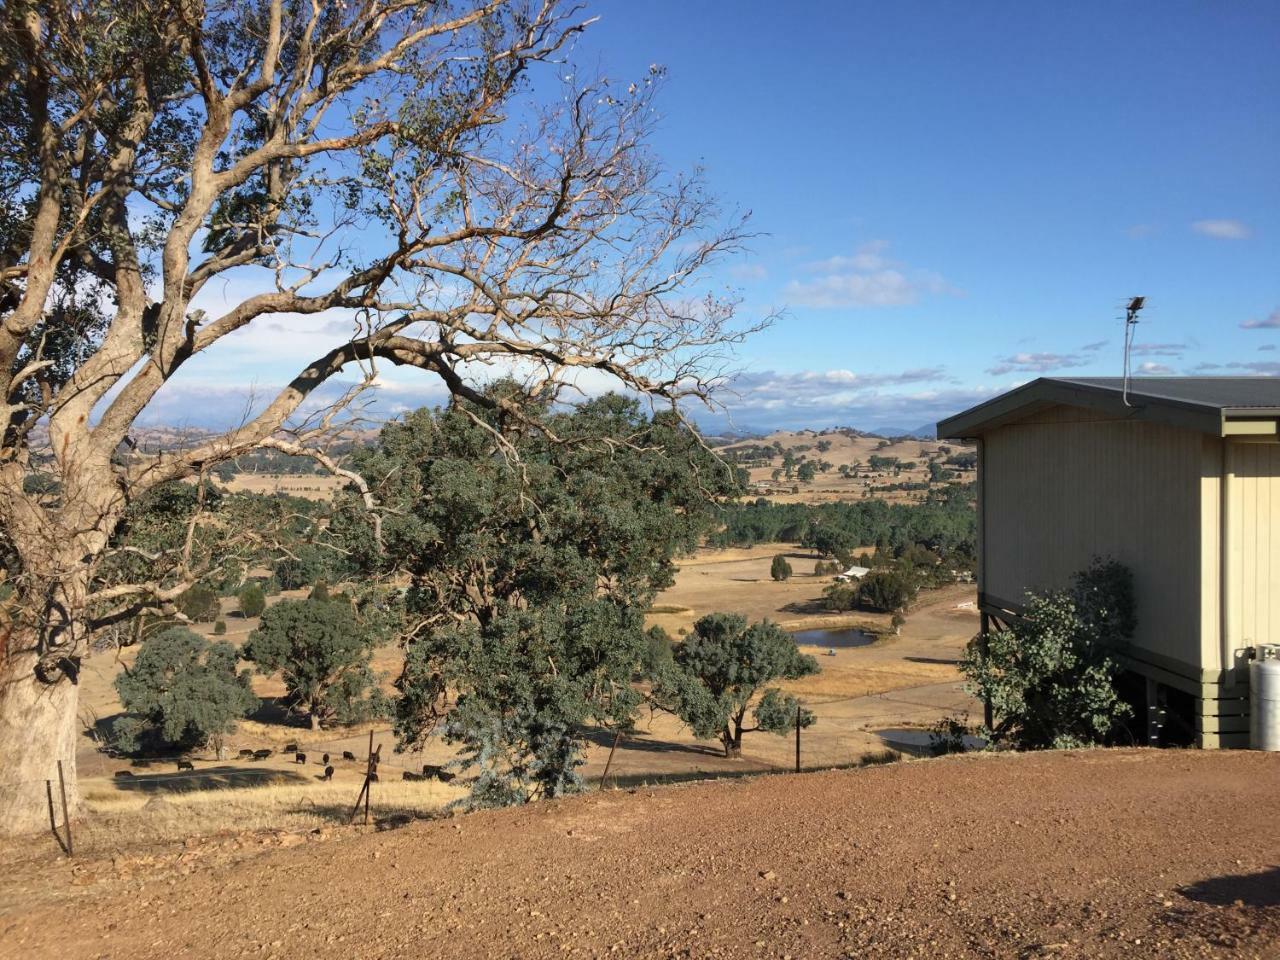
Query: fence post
[(66, 819), (608, 763), (797, 736)]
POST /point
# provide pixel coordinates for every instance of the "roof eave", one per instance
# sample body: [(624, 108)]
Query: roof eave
[(1044, 392)]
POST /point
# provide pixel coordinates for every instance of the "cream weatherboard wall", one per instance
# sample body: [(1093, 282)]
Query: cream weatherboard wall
[(1253, 538)]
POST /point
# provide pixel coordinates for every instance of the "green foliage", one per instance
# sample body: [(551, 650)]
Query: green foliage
[(780, 569), (311, 563), (718, 671), (533, 578), (322, 652), (807, 471), (199, 604), (320, 591), (252, 600), (219, 628), (886, 590), (182, 692), (1050, 678), (945, 524), (947, 736)]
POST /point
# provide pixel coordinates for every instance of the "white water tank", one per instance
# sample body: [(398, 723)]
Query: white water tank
[(1264, 698)]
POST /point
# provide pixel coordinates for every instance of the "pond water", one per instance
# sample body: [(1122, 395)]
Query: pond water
[(838, 639), (915, 741)]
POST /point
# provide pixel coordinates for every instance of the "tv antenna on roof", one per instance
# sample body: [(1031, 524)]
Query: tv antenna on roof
[(1130, 327)]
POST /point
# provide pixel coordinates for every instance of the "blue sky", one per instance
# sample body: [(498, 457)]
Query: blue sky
[(956, 198)]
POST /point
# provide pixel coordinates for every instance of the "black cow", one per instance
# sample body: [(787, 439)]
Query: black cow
[(445, 776), (291, 748), (261, 754), (123, 774), (245, 754), (328, 773), (186, 765), (299, 758), (325, 759), (348, 755)]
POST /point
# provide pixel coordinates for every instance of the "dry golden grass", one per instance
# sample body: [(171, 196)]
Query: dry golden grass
[(310, 486), (279, 803)]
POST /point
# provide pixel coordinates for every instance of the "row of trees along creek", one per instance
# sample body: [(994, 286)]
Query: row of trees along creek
[(180, 171)]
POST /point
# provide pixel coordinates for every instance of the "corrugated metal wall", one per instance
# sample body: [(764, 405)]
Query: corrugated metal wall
[(1066, 483), (1253, 536)]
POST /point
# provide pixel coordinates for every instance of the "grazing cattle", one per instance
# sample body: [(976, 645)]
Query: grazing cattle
[(245, 754), (446, 775), (261, 754), (328, 773), (299, 758), (431, 770), (325, 759), (410, 775), (186, 765), (348, 755), (123, 774), (291, 748)]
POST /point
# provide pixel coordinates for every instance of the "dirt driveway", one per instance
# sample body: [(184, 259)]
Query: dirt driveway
[(1078, 855)]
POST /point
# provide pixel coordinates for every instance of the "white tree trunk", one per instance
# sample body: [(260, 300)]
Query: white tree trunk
[(38, 727)]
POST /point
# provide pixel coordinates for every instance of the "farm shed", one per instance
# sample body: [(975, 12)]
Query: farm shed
[(1181, 483)]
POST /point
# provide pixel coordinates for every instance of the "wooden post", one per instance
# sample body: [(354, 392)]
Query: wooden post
[(608, 763), (797, 736), (66, 819)]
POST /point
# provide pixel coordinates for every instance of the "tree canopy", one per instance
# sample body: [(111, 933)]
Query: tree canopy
[(322, 652), (716, 673), (420, 184), (531, 575), (182, 691)]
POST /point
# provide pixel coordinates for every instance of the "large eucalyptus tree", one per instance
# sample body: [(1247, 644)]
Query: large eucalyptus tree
[(434, 170)]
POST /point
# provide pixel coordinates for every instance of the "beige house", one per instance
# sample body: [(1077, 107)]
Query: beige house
[(1179, 479)]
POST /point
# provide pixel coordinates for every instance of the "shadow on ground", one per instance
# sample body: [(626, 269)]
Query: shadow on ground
[(603, 738), (207, 778), (1251, 889)]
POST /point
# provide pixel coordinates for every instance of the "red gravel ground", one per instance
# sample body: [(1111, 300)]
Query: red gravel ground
[(1086, 854)]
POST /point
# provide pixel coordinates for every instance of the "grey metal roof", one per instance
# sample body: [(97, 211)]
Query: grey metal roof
[(1194, 403)]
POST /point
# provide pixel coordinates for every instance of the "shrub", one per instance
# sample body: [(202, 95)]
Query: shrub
[(199, 604), (320, 591), (252, 601), (1050, 677), (182, 692), (780, 570), (219, 628), (271, 587), (947, 736)]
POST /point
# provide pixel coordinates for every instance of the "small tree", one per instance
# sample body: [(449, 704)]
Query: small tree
[(885, 590), (323, 655), (1050, 678), (252, 601), (780, 570), (183, 691), (717, 672), (199, 604)]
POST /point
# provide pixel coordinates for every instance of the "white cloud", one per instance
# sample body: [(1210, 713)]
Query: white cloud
[(1155, 369), (1223, 229), (1036, 363), (1159, 349), (867, 278), (1267, 323)]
